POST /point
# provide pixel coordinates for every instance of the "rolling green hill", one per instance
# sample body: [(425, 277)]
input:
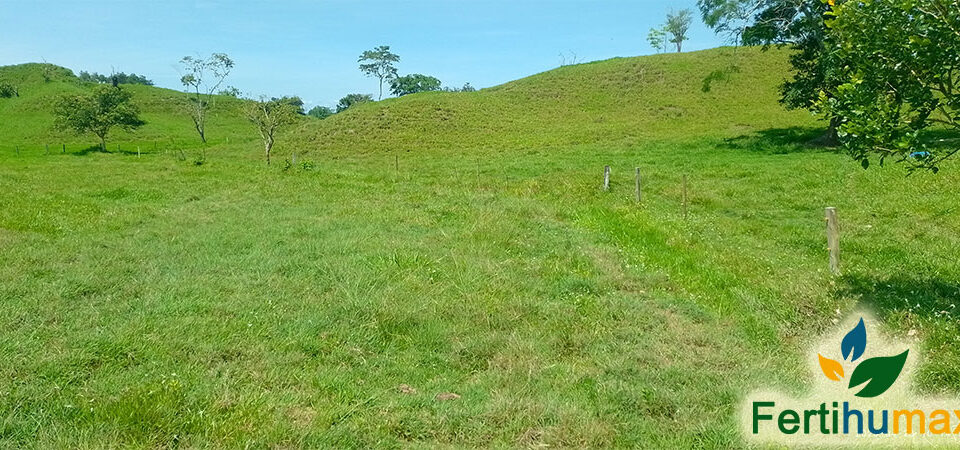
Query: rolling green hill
[(455, 243), (27, 120), (623, 100)]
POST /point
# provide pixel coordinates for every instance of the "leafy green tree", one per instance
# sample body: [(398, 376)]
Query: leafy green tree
[(379, 63), (320, 112), (657, 38), (203, 77), (295, 102), (269, 116), (104, 108), (677, 27), (413, 83), (900, 78), (352, 99), (798, 24)]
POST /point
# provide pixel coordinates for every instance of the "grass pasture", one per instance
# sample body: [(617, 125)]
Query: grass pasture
[(153, 302)]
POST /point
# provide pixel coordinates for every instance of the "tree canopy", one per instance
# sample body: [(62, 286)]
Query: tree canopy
[(353, 99), (320, 112), (413, 83), (677, 27), (114, 79), (379, 63), (98, 112), (899, 78)]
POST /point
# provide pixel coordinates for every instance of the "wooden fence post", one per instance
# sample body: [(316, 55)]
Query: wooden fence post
[(606, 178), (833, 239), (684, 197), (293, 158), (64, 148), (47, 149), (138, 151), (396, 163), (637, 183)]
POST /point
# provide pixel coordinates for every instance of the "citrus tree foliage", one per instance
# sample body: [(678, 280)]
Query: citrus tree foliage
[(352, 99), (98, 112), (269, 116), (203, 77), (901, 60), (413, 83), (379, 63)]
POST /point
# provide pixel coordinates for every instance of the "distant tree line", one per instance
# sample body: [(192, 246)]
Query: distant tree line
[(114, 79)]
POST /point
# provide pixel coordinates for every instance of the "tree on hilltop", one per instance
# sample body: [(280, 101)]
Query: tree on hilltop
[(379, 63)]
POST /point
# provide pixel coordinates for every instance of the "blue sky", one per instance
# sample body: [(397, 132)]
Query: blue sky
[(310, 48)]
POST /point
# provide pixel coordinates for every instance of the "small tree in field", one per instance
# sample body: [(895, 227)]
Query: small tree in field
[(269, 116), (104, 108), (202, 77), (677, 26), (379, 63)]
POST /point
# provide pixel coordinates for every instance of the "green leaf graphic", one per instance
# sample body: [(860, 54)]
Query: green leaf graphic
[(881, 373)]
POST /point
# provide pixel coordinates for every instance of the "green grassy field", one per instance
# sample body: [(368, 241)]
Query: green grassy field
[(455, 243)]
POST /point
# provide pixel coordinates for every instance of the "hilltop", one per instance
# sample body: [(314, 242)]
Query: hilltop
[(620, 100)]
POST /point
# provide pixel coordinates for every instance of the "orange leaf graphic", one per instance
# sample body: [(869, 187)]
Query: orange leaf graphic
[(832, 369)]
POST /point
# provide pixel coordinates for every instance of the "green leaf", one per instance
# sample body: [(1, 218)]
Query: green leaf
[(879, 374)]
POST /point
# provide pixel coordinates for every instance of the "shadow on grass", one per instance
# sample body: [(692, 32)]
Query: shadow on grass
[(88, 150), (926, 298), (780, 141)]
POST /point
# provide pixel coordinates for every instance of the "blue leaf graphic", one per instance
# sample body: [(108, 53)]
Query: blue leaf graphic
[(855, 341)]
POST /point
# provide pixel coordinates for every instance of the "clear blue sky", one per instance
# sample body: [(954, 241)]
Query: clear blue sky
[(310, 48)]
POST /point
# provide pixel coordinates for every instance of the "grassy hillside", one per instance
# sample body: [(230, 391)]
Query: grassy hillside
[(460, 243), (623, 100), (27, 120)]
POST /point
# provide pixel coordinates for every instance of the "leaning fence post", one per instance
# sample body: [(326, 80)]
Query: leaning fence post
[(833, 239), (637, 183), (606, 178)]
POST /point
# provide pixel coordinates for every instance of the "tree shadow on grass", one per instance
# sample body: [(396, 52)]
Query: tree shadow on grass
[(88, 150), (921, 297), (780, 141)]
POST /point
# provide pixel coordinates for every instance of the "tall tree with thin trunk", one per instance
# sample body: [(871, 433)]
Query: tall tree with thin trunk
[(202, 77), (379, 63), (269, 116), (677, 26)]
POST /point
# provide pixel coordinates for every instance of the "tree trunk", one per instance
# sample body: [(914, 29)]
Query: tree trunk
[(381, 90), (103, 143), (267, 146), (831, 137), (680, 47)]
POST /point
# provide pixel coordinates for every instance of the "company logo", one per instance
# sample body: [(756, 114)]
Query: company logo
[(860, 392), (876, 374)]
